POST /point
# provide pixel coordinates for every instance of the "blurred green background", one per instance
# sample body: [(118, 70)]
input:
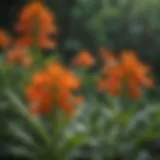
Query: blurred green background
[(116, 24), (90, 24)]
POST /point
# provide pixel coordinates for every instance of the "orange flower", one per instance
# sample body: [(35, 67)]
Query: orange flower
[(45, 42), (112, 82), (42, 78), (24, 41), (56, 70), (19, 56), (113, 86), (84, 59), (4, 39), (29, 16), (36, 24), (40, 99), (129, 61), (53, 88), (134, 69), (128, 71), (70, 81), (112, 74)]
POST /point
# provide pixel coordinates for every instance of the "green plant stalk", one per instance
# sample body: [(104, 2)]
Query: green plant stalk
[(5, 77)]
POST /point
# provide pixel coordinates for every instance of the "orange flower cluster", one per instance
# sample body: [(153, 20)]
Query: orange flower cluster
[(19, 56), (84, 59), (53, 88), (36, 24), (129, 72), (4, 39)]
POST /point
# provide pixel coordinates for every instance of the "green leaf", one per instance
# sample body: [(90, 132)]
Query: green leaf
[(22, 109), (18, 132), (20, 151)]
